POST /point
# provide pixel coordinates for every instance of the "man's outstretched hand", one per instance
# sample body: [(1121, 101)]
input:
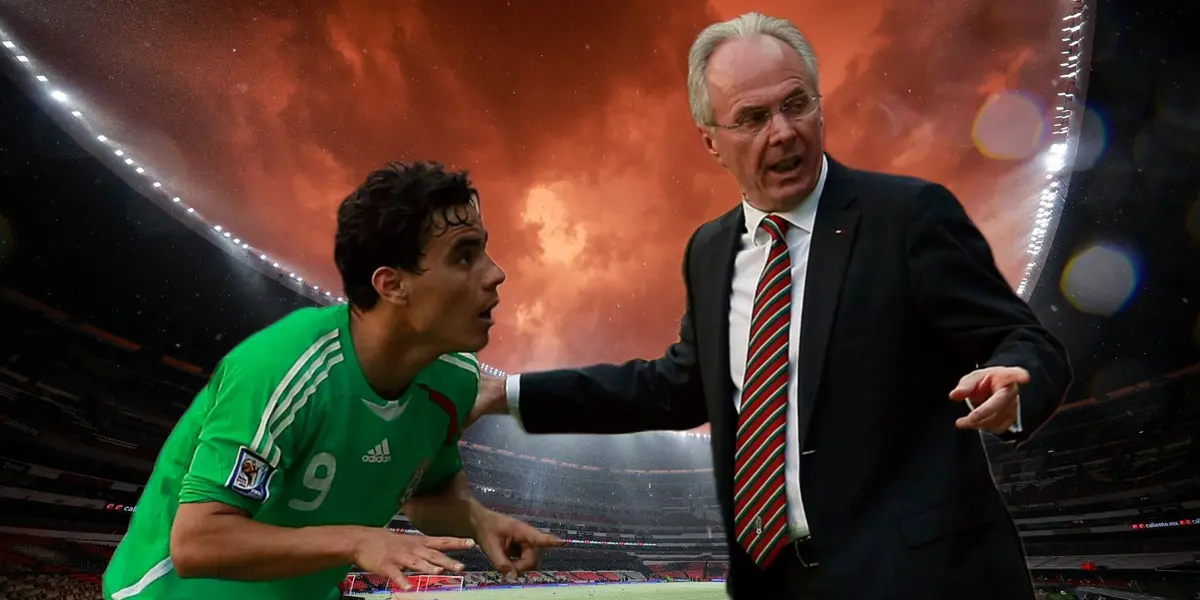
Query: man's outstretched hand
[(391, 554), (993, 395), (513, 546), (490, 400)]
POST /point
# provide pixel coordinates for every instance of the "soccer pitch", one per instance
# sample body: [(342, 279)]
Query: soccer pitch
[(634, 591)]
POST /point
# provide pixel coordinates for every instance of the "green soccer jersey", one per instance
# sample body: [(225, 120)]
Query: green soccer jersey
[(288, 430)]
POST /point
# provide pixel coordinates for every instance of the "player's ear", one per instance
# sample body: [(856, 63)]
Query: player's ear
[(389, 283)]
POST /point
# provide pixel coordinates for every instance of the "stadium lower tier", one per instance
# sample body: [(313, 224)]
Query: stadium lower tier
[(50, 568), (602, 585)]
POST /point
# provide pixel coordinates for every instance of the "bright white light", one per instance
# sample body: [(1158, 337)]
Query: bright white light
[(77, 114), (1055, 163), (129, 161), (140, 170), (22, 58), (42, 78), (157, 184), (57, 95), (9, 45), (175, 199), (119, 153), (217, 227), (102, 138)]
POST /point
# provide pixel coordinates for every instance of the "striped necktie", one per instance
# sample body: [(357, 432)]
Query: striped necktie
[(760, 504)]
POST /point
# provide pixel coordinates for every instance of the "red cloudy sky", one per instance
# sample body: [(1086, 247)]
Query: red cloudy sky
[(571, 116)]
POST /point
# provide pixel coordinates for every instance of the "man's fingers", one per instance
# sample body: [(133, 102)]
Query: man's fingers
[(495, 553), (995, 413), (528, 560), (440, 560), (420, 565), (991, 407), (1006, 377), (448, 543), (542, 539), (397, 575), (966, 386)]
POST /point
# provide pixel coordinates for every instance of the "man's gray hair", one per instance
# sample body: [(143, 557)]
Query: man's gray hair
[(744, 26)]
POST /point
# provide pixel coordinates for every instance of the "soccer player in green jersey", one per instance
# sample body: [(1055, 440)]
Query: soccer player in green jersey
[(313, 432)]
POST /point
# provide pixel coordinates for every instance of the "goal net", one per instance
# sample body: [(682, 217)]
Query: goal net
[(424, 587)]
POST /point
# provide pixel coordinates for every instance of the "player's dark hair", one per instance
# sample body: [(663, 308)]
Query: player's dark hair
[(387, 222)]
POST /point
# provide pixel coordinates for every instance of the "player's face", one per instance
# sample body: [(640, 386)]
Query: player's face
[(451, 301)]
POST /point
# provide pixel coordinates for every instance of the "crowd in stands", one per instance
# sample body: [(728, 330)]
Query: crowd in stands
[(47, 586), (94, 407)]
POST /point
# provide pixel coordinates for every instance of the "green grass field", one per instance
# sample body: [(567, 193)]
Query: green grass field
[(636, 591)]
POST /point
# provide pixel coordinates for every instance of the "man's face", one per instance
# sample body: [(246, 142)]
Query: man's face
[(450, 303), (762, 82)]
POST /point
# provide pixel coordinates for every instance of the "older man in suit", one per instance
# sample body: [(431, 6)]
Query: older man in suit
[(848, 336)]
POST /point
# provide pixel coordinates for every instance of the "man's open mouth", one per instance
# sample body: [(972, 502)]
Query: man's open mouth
[(786, 165)]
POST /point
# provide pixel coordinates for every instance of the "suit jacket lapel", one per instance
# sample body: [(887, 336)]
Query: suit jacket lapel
[(833, 238), (724, 250)]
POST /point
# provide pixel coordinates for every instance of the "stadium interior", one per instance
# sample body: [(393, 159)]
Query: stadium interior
[(113, 312)]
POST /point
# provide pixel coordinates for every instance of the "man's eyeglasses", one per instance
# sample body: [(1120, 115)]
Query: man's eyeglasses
[(754, 121)]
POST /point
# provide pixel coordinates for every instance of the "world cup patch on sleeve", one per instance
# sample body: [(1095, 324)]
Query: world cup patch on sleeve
[(250, 476)]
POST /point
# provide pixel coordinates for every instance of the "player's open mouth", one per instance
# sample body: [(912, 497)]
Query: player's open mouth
[(486, 314)]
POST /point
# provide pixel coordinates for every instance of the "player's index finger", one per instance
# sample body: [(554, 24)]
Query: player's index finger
[(550, 540), (449, 543)]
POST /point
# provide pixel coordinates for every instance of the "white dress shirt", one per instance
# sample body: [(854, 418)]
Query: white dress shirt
[(748, 266)]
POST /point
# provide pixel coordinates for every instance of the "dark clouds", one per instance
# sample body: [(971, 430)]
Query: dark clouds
[(571, 116)]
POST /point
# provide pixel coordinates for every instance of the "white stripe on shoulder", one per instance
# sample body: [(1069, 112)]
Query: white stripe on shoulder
[(467, 356), (262, 444), (155, 573), (456, 360), (308, 392)]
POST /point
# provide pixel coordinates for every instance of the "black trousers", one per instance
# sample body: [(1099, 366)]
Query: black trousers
[(793, 575)]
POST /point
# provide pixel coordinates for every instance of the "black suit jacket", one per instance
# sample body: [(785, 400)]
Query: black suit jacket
[(902, 298)]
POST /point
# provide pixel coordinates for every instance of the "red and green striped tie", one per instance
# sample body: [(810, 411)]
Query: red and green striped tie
[(760, 504)]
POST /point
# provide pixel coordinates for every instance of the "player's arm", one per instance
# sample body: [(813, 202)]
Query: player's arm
[(215, 540), (444, 505), (246, 446)]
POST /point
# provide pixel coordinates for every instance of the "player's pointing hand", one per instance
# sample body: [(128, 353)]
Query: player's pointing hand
[(513, 546), (390, 554)]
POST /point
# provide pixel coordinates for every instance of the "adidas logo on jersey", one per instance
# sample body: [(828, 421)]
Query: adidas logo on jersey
[(379, 454)]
